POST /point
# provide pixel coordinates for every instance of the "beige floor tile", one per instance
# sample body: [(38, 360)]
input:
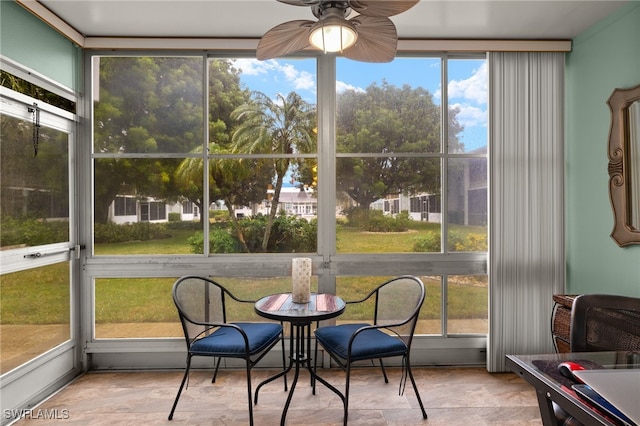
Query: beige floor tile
[(451, 396)]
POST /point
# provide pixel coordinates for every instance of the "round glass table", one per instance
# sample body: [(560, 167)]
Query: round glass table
[(300, 316)]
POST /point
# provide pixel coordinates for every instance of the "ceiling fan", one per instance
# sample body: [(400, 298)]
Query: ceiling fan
[(370, 36)]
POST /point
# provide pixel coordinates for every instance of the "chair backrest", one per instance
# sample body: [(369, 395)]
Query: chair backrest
[(604, 322), (397, 305), (201, 305)]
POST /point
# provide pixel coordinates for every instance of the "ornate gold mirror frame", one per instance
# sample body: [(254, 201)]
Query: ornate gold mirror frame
[(624, 165)]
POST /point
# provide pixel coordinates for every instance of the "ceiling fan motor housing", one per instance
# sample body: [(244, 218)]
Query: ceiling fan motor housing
[(326, 8)]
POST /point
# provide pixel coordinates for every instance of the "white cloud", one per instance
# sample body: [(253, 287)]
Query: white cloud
[(437, 94), (473, 92), (341, 86), (471, 116), (473, 88), (253, 66), (299, 79), (278, 72)]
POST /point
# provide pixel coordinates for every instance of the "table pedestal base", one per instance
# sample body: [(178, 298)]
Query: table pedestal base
[(301, 334)]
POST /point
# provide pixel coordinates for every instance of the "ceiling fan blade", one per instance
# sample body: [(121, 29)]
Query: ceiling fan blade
[(382, 8), (300, 2), (283, 39), (377, 40)]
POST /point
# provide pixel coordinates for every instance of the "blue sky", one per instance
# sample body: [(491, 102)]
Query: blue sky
[(467, 85)]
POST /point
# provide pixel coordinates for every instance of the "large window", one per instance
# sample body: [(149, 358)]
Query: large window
[(392, 156), (407, 145), (150, 155), (263, 155), (252, 172), (148, 123)]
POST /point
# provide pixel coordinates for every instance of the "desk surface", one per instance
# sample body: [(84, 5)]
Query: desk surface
[(541, 372), (282, 308), (619, 385)]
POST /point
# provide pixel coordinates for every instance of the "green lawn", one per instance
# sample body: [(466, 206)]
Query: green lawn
[(349, 240), (36, 296), (177, 244), (41, 295)]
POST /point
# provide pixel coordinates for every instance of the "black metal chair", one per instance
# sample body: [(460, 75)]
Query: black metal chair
[(202, 308), (396, 306)]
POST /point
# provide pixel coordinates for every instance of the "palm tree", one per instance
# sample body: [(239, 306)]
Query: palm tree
[(284, 125), (235, 181)]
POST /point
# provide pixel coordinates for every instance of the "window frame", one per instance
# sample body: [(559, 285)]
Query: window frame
[(327, 263)]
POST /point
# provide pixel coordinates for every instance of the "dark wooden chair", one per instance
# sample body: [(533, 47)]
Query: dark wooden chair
[(602, 322), (605, 322)]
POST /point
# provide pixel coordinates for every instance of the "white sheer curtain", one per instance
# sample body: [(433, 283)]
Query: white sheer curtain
[(526, 251)]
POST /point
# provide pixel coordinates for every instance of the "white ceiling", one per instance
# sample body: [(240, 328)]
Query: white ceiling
[(430, 19)]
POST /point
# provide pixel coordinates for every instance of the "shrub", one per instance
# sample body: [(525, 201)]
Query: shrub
[(32, 232), (457, 241), (219, 215), (357, 217), (196, 241), (429, 243), (289, 234), (174, 217), (473, 242), (194, 225), (220, 241)]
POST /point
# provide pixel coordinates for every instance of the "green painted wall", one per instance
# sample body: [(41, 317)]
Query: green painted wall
[(604, 57), (28, 41)]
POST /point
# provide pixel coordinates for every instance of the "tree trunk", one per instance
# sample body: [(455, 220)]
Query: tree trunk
[(272, 213), (236, 226)]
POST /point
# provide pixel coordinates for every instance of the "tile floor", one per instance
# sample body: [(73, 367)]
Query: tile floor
[(452, 396)]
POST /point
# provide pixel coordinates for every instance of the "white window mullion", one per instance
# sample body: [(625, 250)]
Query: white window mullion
[(326, 168)]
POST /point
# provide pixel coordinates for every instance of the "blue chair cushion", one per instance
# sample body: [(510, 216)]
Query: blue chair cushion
[(369, 344), (227, 341)]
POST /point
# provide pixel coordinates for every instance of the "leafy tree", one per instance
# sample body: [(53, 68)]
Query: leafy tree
[(225, 95), (33, 185), (155, 105), (145, 105), (284, 125), (237, 182), (306, 173), (240, 182), (34, 161), (386, 119), (34, 188), (22, 86)]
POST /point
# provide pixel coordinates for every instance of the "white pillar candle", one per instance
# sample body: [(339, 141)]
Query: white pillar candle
[(301, 278)]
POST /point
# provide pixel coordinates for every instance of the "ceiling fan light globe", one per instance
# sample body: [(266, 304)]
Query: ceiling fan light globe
[(334, 36)]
